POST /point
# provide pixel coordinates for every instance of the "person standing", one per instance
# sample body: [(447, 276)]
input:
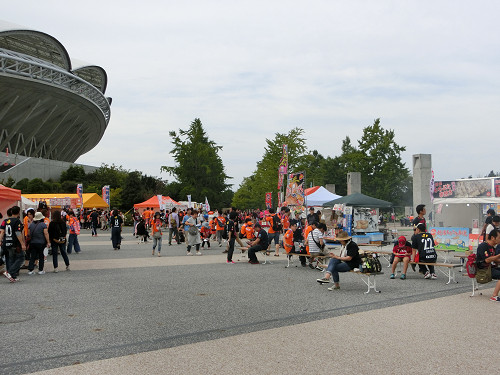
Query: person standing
[(193, 234), (220, 222), (94, 220), (74, 231), (489, 220), (11, 233), (57, 236), (173, 227), (137, 216), (39, 236), (232, 233), (423, 243), (116, 223), (157, 233), (421, 211)]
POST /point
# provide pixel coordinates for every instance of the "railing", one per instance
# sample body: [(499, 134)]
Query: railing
[(19, 64)]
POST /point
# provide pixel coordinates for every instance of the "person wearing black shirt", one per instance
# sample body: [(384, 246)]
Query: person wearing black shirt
[(312, 217), (421, 216), (260, 243), (232, 233), (423, 243), (485, 257), (116, 222), (347, 260), (11, 233), (94, 218)]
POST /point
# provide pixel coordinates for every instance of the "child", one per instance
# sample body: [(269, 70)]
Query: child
[(205, 232), (402, 252), (142, 233)]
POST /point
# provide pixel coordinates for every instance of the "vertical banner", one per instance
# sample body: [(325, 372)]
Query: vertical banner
[(79, 192), (431, 186), (161, 203), (280, 180), (283, 167), (269, 200), (207, 205), (295, 194), (105, 194), (347, 222), (189, 201)]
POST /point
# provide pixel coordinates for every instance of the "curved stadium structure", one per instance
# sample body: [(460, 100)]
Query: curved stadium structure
[(51, 107)]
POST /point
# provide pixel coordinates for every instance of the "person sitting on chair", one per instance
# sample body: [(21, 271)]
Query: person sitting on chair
[(402, 253)]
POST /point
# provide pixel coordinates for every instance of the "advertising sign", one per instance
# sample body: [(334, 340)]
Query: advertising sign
[(295, 194), (463, 188), (456, 239)]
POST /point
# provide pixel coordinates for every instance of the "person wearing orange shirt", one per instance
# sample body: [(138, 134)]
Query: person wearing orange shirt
[(27, 220), (274, 230), (220, 222), (157, 233), (74, 231), (288, 238)]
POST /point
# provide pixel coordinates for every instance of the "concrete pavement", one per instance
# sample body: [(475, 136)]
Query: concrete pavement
[(125, 312)]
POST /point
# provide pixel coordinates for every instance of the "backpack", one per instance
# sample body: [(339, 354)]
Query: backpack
[(371, 263), (471, 266), (277, 226)]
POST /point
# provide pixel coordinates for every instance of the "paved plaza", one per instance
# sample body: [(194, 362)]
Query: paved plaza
[(127, 312)]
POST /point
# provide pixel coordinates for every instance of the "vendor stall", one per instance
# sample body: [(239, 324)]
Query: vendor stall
[(8, 198), (360, 214)]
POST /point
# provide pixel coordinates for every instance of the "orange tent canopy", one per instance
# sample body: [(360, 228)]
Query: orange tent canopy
[(9, 194), (153, 202)]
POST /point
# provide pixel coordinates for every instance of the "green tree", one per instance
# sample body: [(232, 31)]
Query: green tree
[(111, 175), (378, 158), (251, 193), (198, 169), (73, 173)]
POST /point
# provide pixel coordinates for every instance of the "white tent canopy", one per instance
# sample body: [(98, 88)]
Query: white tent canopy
[(27, 203), (320, 196)]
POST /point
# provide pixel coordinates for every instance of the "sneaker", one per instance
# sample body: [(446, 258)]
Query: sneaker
[(229, 262), (403, 277), (335, 287), (224, 252), (319, 268), (55, 270), (323, 280), (303, 264), (15, 279), (67, 268), (393, 276), (311, 266), (189, 253), (433, 276), (31, 272), (41, 272), (495, 299), (255, 262), (7, 275), (427, 275), (198, 253)]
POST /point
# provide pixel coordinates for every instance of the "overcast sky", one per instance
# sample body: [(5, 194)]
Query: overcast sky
[(249, 69)]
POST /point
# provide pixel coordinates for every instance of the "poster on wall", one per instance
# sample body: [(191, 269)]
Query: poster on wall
[(456, 239), (295, 195), (365, 220)]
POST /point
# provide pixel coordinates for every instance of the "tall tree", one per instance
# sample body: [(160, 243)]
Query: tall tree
[(251, 193), (199, 168), (378, 158)]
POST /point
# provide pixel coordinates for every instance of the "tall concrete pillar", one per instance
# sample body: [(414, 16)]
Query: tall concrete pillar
[(330, 188), (422, 172), (353, 182)]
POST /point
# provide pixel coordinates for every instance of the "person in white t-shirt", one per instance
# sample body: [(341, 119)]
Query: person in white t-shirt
[(494, 225), (315, 241)]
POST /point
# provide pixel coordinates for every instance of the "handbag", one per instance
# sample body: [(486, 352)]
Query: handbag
[(193, 231), (157, 234), (483, 275)]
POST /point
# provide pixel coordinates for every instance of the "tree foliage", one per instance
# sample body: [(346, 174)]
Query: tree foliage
[(198, 167), (251, 193)]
